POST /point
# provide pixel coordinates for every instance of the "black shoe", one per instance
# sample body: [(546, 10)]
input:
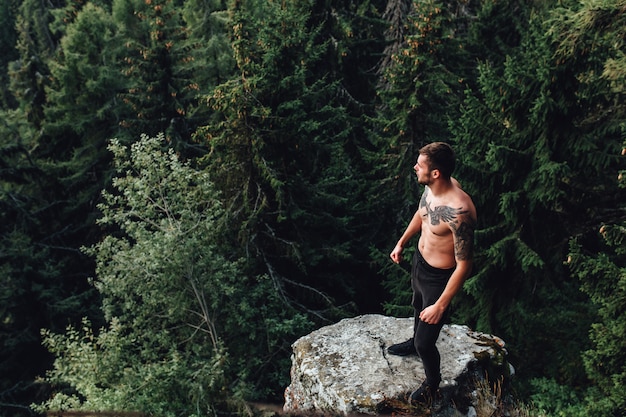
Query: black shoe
[(403, 349), (425, 395)]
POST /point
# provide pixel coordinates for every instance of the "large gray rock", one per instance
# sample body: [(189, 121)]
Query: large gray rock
[(345, 368)]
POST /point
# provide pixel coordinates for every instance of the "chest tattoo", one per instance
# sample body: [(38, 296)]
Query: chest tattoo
[(446, 214), (442, 213)]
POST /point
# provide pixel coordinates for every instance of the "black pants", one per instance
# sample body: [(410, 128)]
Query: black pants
[(428, 283)]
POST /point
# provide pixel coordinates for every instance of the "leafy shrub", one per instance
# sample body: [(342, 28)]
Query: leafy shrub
[(170, 296)]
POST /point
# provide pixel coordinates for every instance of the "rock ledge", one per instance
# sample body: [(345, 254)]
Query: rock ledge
[(344, 368)]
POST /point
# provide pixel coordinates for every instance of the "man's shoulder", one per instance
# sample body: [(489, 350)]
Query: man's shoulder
[(463, 201), (463, 197)]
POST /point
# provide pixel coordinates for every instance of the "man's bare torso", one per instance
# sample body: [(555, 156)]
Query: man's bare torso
[(446, 224)]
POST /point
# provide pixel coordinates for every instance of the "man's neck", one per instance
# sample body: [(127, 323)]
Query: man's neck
[(440, 187)]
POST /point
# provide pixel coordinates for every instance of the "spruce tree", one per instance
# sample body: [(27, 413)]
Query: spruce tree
[(538, 164), (35, 44), (8, 51), (591, 42), (159, 61), (211, 59), (279, 152), (81, 113), (30, 288), (41, 280)]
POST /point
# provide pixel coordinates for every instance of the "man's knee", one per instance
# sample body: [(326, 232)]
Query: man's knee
[(425, 347)]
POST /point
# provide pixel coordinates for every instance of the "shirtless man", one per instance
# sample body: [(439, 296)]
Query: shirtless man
[(446, 218)]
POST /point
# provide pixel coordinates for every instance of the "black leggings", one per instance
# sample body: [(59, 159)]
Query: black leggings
[(428, 283)]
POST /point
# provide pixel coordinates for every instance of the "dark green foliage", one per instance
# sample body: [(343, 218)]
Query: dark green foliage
[(160, 58), (43, 283), (66, 78), (81, 98), (539, 167), (28, 73), (398, 279), (171, 298), (603, 277), (551, 399), (425, 77), (592, 42), (211, 59), (312, 114), (497, 29), (8, 50), (280, 156), (81, 107), (151, 35)]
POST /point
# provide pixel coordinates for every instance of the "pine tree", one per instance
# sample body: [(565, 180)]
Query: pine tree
[(160, 68), (539, 170), (81, 112), (41, 285), (8, 51), (279, 154), (591, 42), (211, 59), (28, 301), (35, 44), (603, 276)]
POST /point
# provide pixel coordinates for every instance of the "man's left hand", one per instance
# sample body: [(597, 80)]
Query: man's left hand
[(432, 314)]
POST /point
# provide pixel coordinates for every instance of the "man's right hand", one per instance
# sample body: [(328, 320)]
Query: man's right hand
[(396, 254)]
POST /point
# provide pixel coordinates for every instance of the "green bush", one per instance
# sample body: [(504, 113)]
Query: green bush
[(552, 399), (171, 299)]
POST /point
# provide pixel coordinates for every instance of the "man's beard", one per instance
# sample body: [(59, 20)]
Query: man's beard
[(423, 181)]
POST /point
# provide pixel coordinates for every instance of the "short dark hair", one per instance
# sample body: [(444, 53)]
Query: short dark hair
[(440, 156)]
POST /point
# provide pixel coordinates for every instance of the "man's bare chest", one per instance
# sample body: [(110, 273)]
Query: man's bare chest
[(436, 219)]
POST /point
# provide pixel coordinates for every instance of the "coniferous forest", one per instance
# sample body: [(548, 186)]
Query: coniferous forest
[(188, 186)]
